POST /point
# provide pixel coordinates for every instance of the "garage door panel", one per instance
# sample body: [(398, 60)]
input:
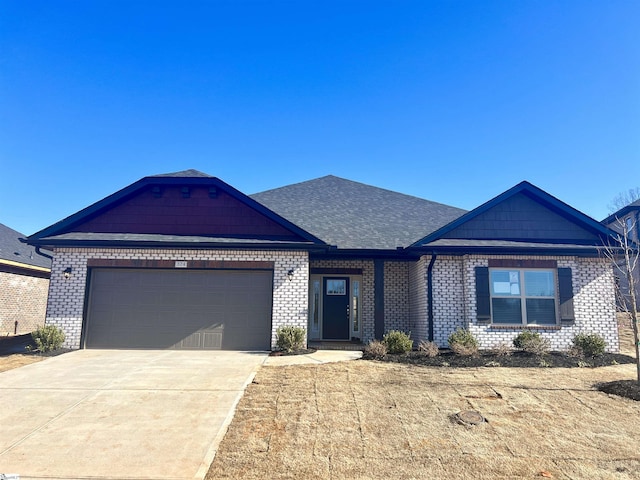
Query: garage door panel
[(184, 309)]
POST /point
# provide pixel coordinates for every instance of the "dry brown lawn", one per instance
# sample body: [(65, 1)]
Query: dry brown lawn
[(10, 362), (373, 420)]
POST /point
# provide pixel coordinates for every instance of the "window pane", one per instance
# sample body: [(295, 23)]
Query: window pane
[(356, 306), (539, 283), (541, 311), (505, 283), (316, 305), (506, 310)]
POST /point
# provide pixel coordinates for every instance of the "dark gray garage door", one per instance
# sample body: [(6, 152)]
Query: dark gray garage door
[(179, 309)]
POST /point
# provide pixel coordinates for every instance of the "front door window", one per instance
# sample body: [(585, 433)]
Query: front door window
[(355, 309), (335, 307), (315, 309)]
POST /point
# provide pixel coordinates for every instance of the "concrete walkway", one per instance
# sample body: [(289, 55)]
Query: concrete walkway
[(120, 414), (320, 356)]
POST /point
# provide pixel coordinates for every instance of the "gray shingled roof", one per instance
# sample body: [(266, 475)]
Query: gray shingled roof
[(12, 249), (354, 215), (191, 173)]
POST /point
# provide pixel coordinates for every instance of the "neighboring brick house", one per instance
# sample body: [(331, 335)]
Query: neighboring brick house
[(626, 219), (186, 261), (24, 283)]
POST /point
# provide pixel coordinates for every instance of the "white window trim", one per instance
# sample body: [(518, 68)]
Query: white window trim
[(523, 297)]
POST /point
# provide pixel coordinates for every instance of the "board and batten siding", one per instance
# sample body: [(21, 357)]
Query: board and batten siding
[(520, 217)]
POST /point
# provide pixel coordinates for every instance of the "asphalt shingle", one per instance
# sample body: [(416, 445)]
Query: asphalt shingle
[(12, 249), (353, 215)]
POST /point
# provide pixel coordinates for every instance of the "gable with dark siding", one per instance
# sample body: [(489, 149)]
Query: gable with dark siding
[(521, 218), (172, 211), (179, 208)]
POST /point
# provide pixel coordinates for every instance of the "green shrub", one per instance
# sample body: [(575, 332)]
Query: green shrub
[(397, 342), (463, 342), (590, 344), (48, 338), (376, 350), (430, 349), (524, 338), (531, 342), (289, 338)]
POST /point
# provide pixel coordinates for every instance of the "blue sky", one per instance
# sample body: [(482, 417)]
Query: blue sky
[(453, 101)]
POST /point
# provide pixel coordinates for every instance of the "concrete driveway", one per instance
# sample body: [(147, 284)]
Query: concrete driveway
[(120, 414)]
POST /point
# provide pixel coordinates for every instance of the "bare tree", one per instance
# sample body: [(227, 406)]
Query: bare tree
[(625, 256), (623, 199)]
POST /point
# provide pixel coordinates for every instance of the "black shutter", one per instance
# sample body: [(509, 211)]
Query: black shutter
[(483, 298), (565, 288)]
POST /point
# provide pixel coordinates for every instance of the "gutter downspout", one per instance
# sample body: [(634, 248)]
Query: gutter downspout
[(37, 248), (430, 295), (43, 254)]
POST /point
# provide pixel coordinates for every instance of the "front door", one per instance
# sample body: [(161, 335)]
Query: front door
[(335, 316)]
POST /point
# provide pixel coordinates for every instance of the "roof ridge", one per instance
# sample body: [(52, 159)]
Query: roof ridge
[(191, 172), (355, 182)]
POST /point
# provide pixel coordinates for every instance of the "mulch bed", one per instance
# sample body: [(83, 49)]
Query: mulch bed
[(515, 359), (302, 351), (622, 388), (25, 345)]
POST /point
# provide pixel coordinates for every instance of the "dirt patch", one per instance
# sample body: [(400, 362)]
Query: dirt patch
[(371, 420), (9, 362), (15, 353)]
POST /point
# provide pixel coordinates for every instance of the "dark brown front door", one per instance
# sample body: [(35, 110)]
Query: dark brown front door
[(335, 306)]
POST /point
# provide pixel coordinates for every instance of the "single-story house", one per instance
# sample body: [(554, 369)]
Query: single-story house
[(24, 284), (185, 260)]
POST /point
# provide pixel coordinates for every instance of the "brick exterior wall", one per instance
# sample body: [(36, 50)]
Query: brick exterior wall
[(594, 302), (397, 309), (367, 294), (448, 298), (67, 295), (23, 298)]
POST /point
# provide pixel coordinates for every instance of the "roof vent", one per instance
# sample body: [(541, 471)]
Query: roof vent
[(213, 192), (185, 192), (157, 192)]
